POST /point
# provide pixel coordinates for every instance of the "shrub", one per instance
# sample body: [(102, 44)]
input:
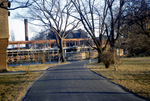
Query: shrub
[(108, 58)]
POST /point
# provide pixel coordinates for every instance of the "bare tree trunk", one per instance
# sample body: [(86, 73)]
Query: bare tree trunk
[(115, 59), (62, 55), (99, 56)]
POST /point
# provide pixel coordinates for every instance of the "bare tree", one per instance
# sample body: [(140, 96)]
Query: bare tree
[(50, 15), (137, 34), (116, 22), (93, 17), (42, 35), (109, 17), (102, 18), (139, 17)]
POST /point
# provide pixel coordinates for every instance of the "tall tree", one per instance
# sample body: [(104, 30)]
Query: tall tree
[(93, 19), (139, 17), (116, 20), (102, 18), (50, 15), (137, 34)]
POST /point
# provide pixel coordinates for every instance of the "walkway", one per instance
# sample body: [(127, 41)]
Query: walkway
[(74, 82)]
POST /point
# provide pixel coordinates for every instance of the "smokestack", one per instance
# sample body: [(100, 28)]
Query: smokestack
[(26, 31)]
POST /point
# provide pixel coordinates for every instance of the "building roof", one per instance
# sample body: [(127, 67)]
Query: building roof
[(74, 34)]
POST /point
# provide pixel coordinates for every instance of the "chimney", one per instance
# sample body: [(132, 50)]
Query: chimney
[(26, 31)]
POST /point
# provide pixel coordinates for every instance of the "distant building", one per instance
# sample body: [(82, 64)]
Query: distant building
[(78, 34), (75, 34)]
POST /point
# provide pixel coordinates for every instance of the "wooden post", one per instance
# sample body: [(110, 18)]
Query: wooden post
[(92, 42), (34, 45), (49, 57), (22, 57), (46, 44), (75, 43), (28, 58), (43, 57), (79, 43), (38, 57), (50, 44), (17, 57)]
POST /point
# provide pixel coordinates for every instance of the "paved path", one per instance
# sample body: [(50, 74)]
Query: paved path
[(74, 82)]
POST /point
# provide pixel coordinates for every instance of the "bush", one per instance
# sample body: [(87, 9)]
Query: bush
[(43, 60), (108, 58)]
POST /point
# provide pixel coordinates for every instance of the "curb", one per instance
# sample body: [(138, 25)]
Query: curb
[(12, 73)]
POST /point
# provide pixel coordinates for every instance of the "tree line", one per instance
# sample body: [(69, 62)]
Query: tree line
[(119, 20)]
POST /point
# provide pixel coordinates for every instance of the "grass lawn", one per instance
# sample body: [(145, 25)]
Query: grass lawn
[(12, 87), (133, 74)]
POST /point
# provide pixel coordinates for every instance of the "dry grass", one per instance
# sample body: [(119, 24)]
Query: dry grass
[(133, 74), (12, 87), (32, 67)]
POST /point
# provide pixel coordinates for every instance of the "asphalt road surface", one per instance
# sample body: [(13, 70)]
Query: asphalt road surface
[(74, 82)]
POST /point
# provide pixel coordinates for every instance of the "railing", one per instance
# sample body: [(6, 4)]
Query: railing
[(38, 56), (32, 56), (40, 44), (75, 56)]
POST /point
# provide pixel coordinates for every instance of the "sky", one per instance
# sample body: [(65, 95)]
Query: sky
[(17, 26)]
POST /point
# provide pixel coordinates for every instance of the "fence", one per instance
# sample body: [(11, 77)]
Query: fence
[(81, 55), (32, 56), (27, 56)]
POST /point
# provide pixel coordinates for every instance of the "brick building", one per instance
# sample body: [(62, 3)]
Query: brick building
[(4, 33)]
